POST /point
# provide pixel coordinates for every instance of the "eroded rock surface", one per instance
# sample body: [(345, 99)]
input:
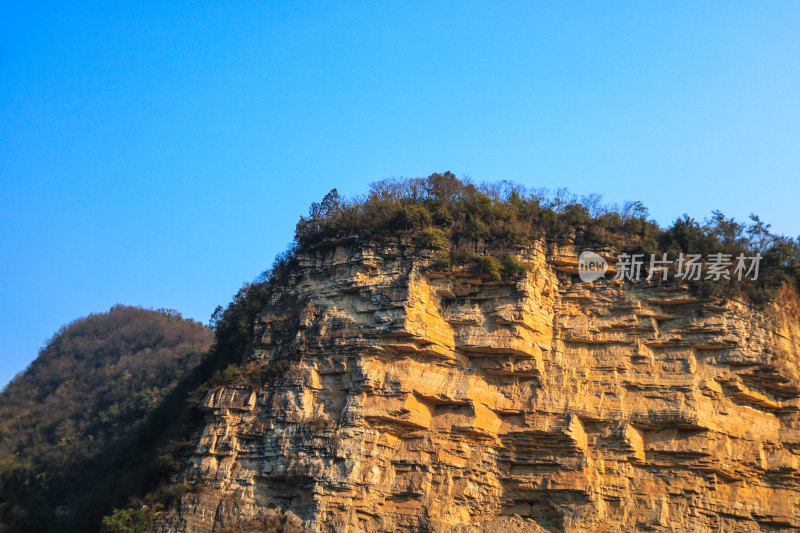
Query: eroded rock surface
[(398, 398)]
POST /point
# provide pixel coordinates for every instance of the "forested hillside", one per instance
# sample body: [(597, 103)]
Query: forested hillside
[(81, 428)]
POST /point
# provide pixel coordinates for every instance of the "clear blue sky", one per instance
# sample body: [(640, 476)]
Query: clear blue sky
[(159, 154)]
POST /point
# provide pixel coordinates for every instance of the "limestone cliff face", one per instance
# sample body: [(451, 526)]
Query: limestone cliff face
[(396, 398)]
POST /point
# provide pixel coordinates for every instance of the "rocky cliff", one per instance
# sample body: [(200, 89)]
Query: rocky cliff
[(383, 395)]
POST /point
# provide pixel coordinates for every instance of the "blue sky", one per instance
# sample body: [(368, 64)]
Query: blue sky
[(159, 154)]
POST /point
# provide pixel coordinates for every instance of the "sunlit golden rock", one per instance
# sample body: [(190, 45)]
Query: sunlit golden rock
[(415, 400)]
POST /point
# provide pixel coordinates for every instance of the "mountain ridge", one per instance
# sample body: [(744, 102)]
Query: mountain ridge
[(475, 286)]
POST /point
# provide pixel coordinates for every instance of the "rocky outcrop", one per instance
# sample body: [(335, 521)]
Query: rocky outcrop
[(382, 395)]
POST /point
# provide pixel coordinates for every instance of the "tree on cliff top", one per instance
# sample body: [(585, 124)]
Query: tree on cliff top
[(467, 221)]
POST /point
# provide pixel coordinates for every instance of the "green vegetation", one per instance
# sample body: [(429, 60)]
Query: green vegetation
[(93, 421), (127, 521), (442, 210), (484, 225)]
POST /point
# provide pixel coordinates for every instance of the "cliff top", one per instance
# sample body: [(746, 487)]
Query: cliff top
[(467, 223)]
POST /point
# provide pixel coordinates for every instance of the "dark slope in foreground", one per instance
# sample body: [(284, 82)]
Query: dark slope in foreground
[(81, 427)]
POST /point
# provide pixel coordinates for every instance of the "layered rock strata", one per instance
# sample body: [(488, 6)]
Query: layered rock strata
[(383, 395)]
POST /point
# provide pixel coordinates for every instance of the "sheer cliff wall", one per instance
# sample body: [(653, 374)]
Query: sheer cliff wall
[(382, 395)]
